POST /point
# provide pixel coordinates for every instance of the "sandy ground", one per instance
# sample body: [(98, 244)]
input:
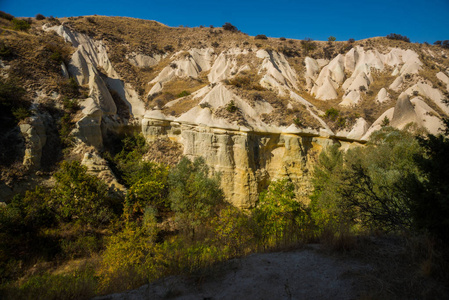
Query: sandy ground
[(300, 274)]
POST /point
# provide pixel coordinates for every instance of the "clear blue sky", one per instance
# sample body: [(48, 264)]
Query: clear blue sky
[(420, 20)]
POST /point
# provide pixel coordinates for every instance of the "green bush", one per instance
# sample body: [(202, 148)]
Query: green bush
[(230, 27), (81, 197), (183, 94), (40, 17), (331, 114), (366, 185), (21, 25), (5, 51), (261, 37), (231, 107), (308, 45)]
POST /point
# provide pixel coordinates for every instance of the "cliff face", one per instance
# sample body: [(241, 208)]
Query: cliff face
[(255, 112), (247, 161)]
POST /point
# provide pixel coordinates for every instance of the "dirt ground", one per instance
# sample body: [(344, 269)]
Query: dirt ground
[(312, 272)]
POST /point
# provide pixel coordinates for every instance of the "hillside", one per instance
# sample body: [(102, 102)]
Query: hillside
[(218, 93)]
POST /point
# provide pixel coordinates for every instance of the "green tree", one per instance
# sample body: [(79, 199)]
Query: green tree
[(80, 196), (366, 185), (193, 195), (148, 188), (279, 215)]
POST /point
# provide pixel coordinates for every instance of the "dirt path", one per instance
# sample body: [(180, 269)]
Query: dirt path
[(301, 274)]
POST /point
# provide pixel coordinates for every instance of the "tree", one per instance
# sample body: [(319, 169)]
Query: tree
[(429, 190), (331, 39), (366, 185), (148, 188), (193, 195), (81, 197), (279, 215)]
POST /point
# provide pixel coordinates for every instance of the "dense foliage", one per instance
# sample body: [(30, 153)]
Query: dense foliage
[(396, 182)]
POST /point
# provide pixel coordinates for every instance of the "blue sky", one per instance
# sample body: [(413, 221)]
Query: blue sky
[(419, 20)]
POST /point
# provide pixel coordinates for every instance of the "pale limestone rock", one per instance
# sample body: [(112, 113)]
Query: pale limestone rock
[(98, 166), (429, 117), (326, 91), (404, 113), (143, 61), (35, 138), (444, 78), (383, 96), (397, 84), (428, 91), (377, 125)]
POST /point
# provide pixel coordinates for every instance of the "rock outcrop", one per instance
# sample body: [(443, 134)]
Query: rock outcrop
[(255, 114)]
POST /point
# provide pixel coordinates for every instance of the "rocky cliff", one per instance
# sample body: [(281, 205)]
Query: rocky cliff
[(256, 110)]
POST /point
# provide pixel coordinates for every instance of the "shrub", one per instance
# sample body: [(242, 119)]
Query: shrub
[(261, 37), (21, 113), (57, 57), (231, 107), (21, 25), (331, 114), (6, 16), (282, 38), (385, 122), (71, 105), (5, 51), (233, 231), (308, 45), (331, 39), (362, 88), (230, 27), (40, 17), (168, 48), (438, 43), (183, 94), (298, 122), (395, 36), (80, 196), (351, 40)]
